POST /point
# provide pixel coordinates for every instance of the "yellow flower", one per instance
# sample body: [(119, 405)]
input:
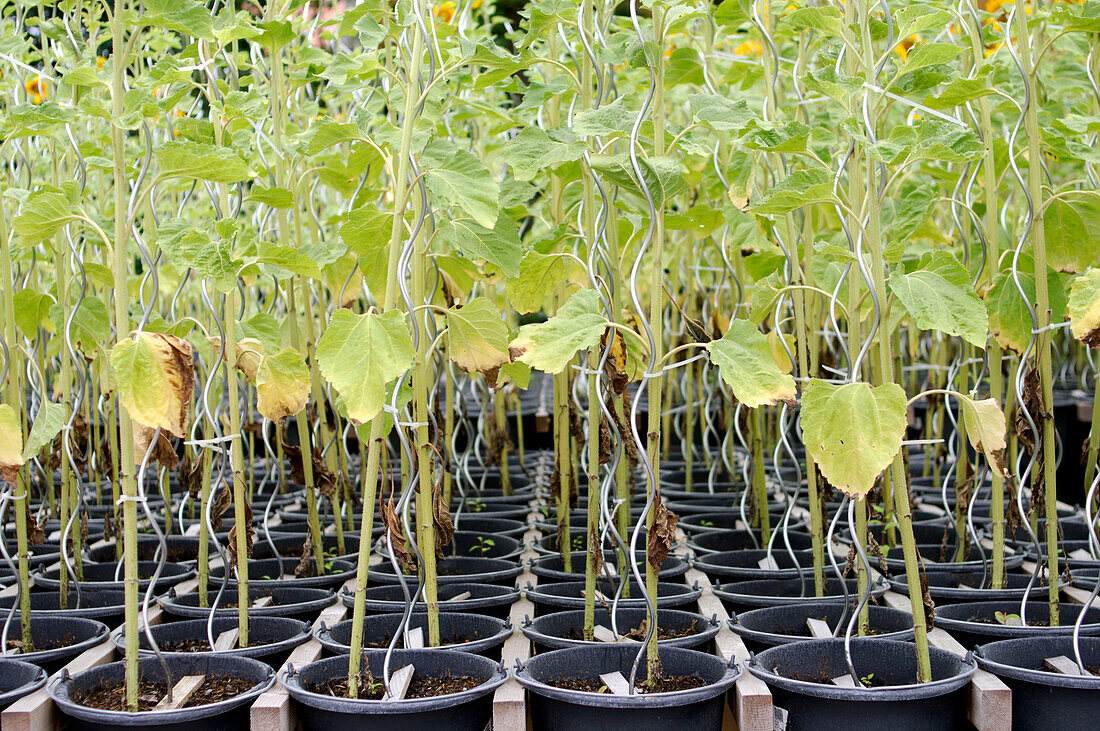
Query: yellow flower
[(477, 4), (749, 48), (446, 11), (671, 48), (99, 62), (902, 49), (36, 89)]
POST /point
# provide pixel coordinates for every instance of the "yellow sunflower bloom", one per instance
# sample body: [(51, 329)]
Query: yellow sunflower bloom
[(446, 11)]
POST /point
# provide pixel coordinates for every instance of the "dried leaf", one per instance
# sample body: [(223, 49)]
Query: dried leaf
[(249, 538), (393, 531), (441, 517), (662, 535), (307, 565), (221, 505)]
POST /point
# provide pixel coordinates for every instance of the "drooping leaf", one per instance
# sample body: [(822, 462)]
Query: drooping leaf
[(1084, 308), (744, 359), (538, 276), (282, 384), (360, 354), (986, 430), (47, 424), (939, 296), (852, 431), (477, 339), (549, 346), (1009, 318), (154, 377), (32, 310)]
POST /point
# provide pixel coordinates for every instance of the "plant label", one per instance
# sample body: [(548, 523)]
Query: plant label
[(616, 683), (603, 634), (1061, 664), (264, 601), (399, 683), (845, 681), (227, 640), (181, 692), (768, 563), (459, 597), (819, 628), (414, 640)]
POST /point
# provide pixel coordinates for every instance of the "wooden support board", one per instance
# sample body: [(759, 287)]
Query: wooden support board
[(509, 700)]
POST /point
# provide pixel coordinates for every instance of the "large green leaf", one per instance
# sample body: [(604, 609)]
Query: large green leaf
[(282, 385), (1071, 228), (201, 161), (800, 188), (360, 354), (367, 233), (1009, 318), (853, 431), (183, 16), (188, 247), (32, 309), (91, 326), (744, 358), (1084, 307), (477, 339), (47, 424), (456, 177), (533, 150), (499, 245), (939, 296), (549, 346)]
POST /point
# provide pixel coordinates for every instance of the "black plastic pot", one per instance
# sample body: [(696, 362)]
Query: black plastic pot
[(1041, 699), (180, 549), (493, 526), (549, 598), (63, 637), (560, 630), (458, 631), (489, 599), (100, 576), (557, 709), (771, 626), (482, 544), (269, 572), (975, 623), (458, 570), (744, 564), (270, 639), (17, 679), (549, 568), (900, 704), (743, 596), (106, 606), (287, 601), (717, 541), (952, 587), (469, 710), (228, 715)]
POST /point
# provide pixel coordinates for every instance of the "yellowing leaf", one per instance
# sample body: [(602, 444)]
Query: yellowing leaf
[(1084, 308), (282, 385), (985, 427), (250, 351), (549, 346), (852, 431), (744, 358), (360, 354), (154, 377), (11, 443), (477, 339)]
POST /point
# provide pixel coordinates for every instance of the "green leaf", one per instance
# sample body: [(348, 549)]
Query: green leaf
[(853, 431), (939, 296), (532, 151), (154, 378), (1009, 318), (549, 346), (201, 161), (326, 133), (187, 247), (922, 55), (47, 424), (32, 309), (744, 359), (91, 328), (43, 215), (290, 259), (274, 196), (913, 19), (828, 20), (1084, 308), (360, 354), (538, 277), (500, 245), (477, 339), (183, 16), (664, 176), (1071, 227), (789, 137), (517, 373), (367, 233), (457, 178), (764, 294), (800, 188), (265, 328), (282, 385), (720, 113), (610, 120)]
